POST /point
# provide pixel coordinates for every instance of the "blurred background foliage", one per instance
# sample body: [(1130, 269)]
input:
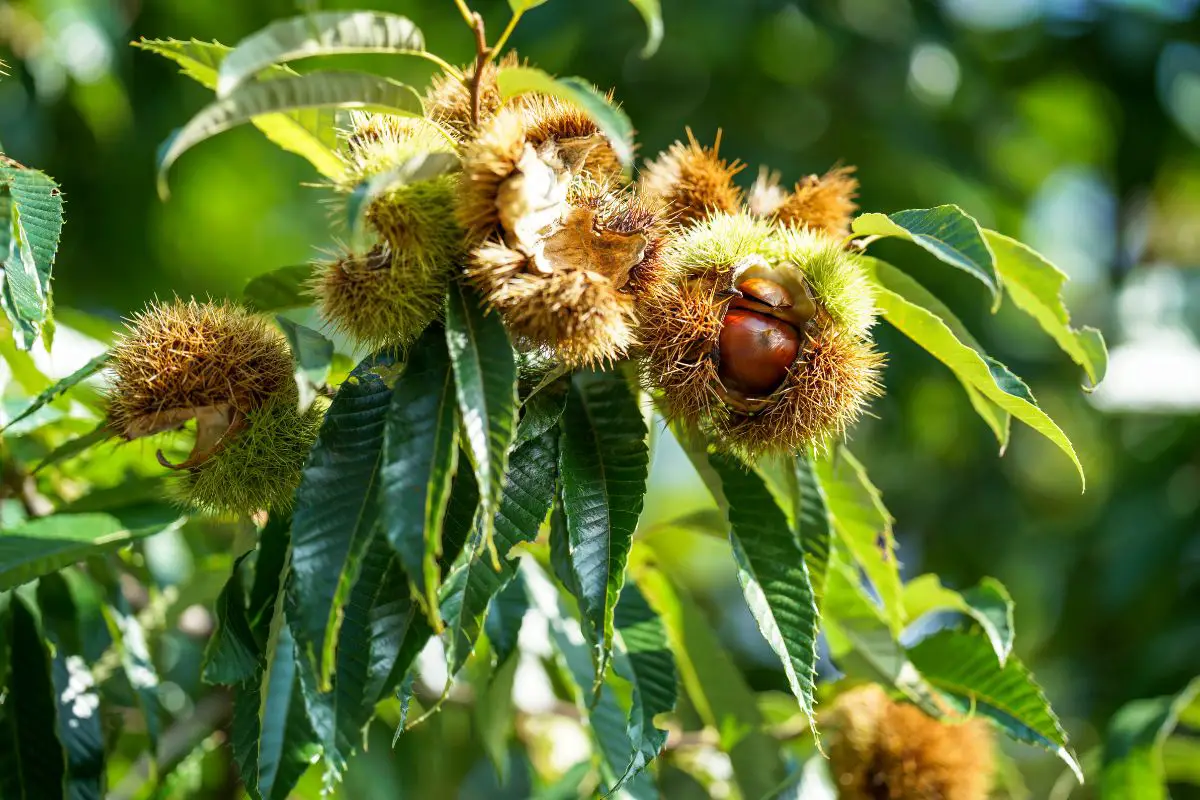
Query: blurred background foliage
[(1071, 124)]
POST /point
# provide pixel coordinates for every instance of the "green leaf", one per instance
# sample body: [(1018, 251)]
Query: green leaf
[(988, 604), (272, 560), (33, 218), (643, 658), (774, 577), (314, 90), (272, 740), (864, 528), (62, 387), (542, 410), (651, 12), (485, 373), (44, 545), (33, 763), (313, 354), (310, 133), (473, 581), (494, 713), (716, 687), (286, 287), (521, 6), (231, 655), (337, 511), (420, 456), (906, 305), (611, 120), (813, 522), (77, 446), (129, 641), (78, 719), (962, 666), (1035, 285), (1133, 766), (604, 463), (326, 33), (946, 231), (505, 615)]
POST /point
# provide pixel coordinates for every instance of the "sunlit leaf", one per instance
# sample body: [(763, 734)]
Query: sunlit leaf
[(774, 577), (651, 11), (32, 760), (323, 33), (62, 387), (103, 432), (337, 510), (1035, 285), (962, 666), (505, 615), (905, 304), (948, 232), (521, 6), (611, 120), (988, 603), (314, 90), (313, 355), (33, 218), (310, 133), (494, 713), (604, 463), (485, 373), (133, 648), (420, 167), (1133, 766)]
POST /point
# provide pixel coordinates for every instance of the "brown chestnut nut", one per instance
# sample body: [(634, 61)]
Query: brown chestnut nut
[(756, 351)]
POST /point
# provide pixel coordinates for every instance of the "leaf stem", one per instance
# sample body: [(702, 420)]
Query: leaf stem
[(467, 14), (482, 56)]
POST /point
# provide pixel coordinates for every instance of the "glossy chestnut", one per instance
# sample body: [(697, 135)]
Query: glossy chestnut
[(756, 351)]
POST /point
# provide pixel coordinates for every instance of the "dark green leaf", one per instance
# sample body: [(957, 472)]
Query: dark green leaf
[(946, 231), (314, 90), (286, 287), (773, 575), (651, 12), (1133, 746), (1035, 285), (129, 640), (34, 217), (313, 354), (485, 373), (420, 456), (320, 34), (604, 464), (505, 614), (989, 604), (44, 545), (33, 763), (274, 543), (473, 581), (644, 659), (962, 666), (232, 654), (337, 511), (59, 389), (611, 120)]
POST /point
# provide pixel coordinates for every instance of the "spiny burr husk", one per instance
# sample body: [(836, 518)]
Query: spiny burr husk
[(448, 100), (572, 287), (882, 749), (706, 342), (259, 468), (693, 181), (818, 202), (179, 357)]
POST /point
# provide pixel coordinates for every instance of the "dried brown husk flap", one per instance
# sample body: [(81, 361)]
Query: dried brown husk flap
[(215, 426), (578, 242)]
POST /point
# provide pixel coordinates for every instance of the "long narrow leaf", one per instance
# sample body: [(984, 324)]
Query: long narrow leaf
[(61, 387), (36, 219)]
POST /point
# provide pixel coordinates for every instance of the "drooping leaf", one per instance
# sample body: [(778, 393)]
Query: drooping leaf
[(774, 577), (485, 374), (473, 581), (324, 33), (542, 410), (272, 740), (521, 6), (231, 655), (314, 90), (962, 666), (279, 289), (906, 305), (33, 763), (494, 713), (272, 560), (864, 528), (716, 687), (1133, 766), (604, 463), (32, 217), (61, 387), (505, 615), (78, 720), (420, 456), (988, 604), (310, 133), (813, 523), (611, 120), (948, 232), (44, 545), (643, 657), (1035, 285), (337, 511), (313, 354), (651, 11)]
